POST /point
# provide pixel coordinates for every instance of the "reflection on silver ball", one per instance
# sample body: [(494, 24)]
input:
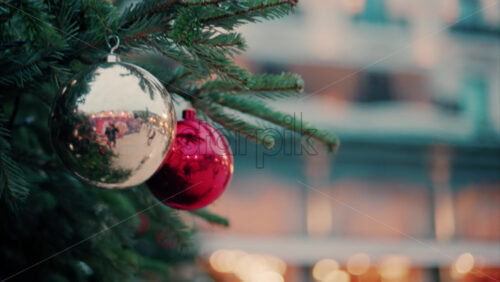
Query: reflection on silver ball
[(113, 125)]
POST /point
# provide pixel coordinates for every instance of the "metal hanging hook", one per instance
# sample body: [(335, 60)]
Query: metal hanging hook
[(117, 42)]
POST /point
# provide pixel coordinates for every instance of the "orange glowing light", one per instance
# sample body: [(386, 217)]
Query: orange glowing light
[(464, 263), (358, 264), (324, 267), (337, 276), (394, 267)]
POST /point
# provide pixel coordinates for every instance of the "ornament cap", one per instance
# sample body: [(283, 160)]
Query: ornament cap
[(112, 58), (189, 114)]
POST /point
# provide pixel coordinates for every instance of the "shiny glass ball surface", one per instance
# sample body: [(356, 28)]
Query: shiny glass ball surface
[(113, 124), (197, 169)]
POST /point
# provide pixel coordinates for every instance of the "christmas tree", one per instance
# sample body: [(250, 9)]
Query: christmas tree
[(56, 228)]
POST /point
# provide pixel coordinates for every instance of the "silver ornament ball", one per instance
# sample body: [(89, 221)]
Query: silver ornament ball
[(113, 124)]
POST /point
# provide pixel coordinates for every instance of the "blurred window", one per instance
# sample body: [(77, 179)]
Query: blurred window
[(478, 211), (474, 101), (472, 19), (260, 205), (376, 87), (375, 11), (380, 208)]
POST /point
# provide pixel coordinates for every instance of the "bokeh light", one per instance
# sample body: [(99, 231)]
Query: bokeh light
[(464, 263), (394, 267), (358, 264), (266, 276), (248, 267), (337, 276), (324, 267)]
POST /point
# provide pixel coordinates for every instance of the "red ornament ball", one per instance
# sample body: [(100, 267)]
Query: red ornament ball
[(197, 168)]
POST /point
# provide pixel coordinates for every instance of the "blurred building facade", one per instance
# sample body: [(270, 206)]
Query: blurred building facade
[(412, 88)]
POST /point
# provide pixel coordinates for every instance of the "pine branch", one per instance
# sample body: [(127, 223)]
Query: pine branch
[(179, 76), (221, 66), (234, 123), (103, 16), (144, 34), (200, 2), (226, 70), (17, 100), (66, 18), (225, 43), (143, 10), (149, 8), (260, 110), (12, 179), (173, 229), (180, 57), (250, 11), (169, 229), (11, 44), (21, 72), (186, 95), (265, 85), (101, 19), (155, 265), (211, 217), (30, 23), (154, 27)]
